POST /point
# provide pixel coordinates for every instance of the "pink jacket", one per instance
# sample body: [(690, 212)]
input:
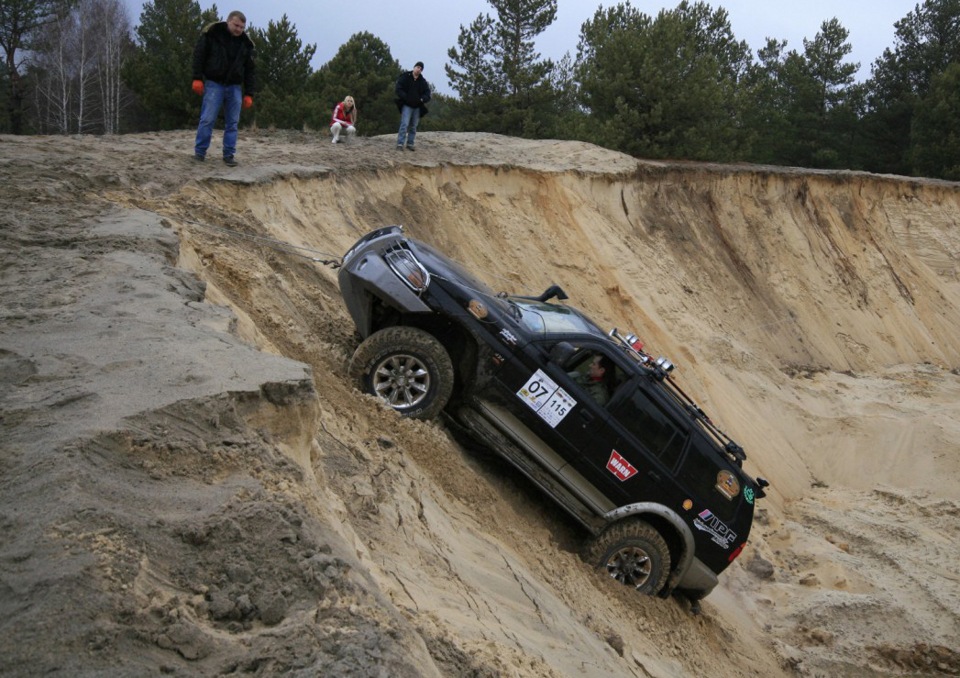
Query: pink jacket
[(340, 115)]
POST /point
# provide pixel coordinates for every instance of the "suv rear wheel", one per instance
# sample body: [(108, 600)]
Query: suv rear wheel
[(406, 368), (633, 553)]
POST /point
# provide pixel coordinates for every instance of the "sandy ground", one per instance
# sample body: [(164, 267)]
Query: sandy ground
[(190, 486)]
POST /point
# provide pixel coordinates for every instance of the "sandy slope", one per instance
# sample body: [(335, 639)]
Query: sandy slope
[(189, 485)]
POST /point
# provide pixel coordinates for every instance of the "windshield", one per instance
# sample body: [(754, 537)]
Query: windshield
[(545, 318)]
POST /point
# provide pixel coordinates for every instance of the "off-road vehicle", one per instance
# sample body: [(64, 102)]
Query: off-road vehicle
[(656, 483)]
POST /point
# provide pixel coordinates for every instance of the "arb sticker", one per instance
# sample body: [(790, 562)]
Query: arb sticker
[(620, 467)]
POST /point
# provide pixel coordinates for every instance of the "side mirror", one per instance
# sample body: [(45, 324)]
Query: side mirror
[(562, 352), (762, 484)]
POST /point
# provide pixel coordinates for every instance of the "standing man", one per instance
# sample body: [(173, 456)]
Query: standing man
[(413, 91), (223, 70)]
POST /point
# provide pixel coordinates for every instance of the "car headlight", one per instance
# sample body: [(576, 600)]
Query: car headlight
[(402, 262)]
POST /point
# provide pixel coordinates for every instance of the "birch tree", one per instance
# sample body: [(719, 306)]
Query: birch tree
[(75, 64), (110, 27), (54, 70)]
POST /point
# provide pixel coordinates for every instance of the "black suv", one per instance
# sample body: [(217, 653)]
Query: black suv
[(587, 415)]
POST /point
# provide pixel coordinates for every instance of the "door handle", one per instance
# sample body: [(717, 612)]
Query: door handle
[(586, 416), (654, 476)]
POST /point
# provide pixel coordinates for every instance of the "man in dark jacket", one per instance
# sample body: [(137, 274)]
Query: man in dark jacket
[(413, 91), (223, 70)]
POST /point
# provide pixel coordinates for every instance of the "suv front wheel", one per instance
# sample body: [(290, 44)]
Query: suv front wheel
[(406, 368), (633, 553)]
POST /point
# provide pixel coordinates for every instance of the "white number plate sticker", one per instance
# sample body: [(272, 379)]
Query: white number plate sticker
[(545, 398)]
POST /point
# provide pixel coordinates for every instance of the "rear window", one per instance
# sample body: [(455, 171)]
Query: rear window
[(653, 427)]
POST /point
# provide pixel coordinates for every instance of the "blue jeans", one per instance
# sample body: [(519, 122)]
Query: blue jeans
[(409, 119), (215, 97)]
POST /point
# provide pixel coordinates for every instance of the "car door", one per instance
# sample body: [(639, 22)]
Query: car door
[(585, 433), (650, 440), (551, 401)]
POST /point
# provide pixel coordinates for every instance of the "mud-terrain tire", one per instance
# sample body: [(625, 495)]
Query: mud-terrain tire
[(406, 368), (633, 553)]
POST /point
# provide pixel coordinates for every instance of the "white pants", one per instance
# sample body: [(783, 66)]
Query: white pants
[(335, 130)]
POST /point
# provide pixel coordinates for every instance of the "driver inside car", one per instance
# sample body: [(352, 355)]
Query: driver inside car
[(598, 379)]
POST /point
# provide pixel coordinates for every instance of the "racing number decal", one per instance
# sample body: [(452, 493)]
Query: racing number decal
[(544, 397)]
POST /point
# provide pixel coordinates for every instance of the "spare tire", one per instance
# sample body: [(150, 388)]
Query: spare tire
[(406, 368)]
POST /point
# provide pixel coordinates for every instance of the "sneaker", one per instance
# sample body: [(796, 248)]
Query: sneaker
[(229, 161), (411, 148), (335, 141), (198, 157), (399, 147)]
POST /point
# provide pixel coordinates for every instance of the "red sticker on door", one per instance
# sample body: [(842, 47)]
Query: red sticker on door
[(620, 467)]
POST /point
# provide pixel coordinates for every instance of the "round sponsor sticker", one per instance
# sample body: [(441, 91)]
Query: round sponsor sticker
[(727, 484), (477, 309)]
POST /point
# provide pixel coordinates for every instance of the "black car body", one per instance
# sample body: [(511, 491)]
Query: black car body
[(639, 465)]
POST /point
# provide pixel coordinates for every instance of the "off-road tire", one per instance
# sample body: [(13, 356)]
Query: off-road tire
[(407, 368), (633, 553)]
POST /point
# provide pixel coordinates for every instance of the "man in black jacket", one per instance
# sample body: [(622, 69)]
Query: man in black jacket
[(223, 70), (413, 91)]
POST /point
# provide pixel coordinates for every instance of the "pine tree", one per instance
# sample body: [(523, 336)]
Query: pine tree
[(283, 68), (926, 42), (504, 85), (664, 87), (935, 136), (160, 70), (19, 19), (765, 96), (824, 106)]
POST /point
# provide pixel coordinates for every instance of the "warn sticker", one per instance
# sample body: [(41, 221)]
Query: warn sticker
[(620, 467)]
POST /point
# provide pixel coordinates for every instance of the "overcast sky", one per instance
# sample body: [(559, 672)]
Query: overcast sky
[(424, 30)]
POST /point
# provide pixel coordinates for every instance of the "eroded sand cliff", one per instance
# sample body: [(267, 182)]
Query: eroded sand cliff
[(190, 485)]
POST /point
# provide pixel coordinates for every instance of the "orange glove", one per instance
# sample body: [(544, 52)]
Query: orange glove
[(198, 87), (248, 101)]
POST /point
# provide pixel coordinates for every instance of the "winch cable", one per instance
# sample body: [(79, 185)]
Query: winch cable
[(273, 243)]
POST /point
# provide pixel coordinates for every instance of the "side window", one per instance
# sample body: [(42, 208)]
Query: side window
[(653, 427), (711, 482), (596, 373)]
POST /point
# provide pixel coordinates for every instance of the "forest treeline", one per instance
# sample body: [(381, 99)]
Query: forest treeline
[(676, 85)]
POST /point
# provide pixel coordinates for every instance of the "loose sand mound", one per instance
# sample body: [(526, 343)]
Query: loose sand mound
[(189, 484)]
